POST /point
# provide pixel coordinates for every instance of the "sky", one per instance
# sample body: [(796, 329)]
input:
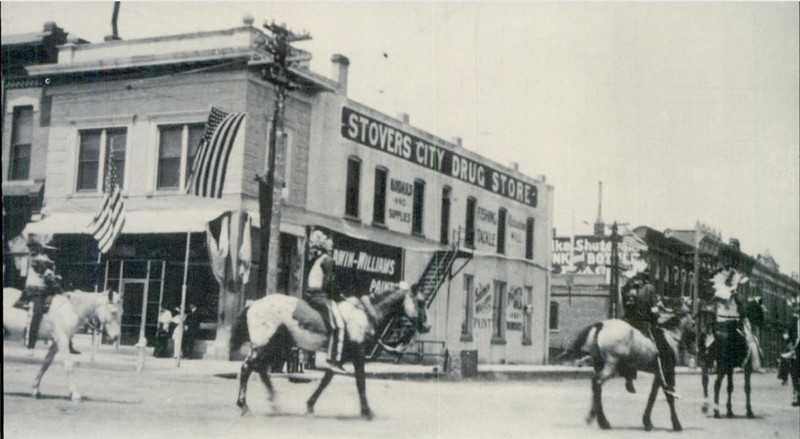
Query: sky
[(685, 111)]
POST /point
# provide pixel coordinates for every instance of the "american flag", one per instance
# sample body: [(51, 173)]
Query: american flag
[(211, 163), (110, 219)]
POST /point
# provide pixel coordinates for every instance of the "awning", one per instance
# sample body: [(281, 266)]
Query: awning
[(22, 188), (136, 222)]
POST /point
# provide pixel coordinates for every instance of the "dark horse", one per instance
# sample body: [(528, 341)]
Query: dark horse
[(616, 346), (724, 344), (277, 322)]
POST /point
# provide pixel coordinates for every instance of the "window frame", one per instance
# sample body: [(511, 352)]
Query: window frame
[(353, 199), (469, 308), (418, 208), (469, 222), (16, 146), (379, 198), (101, 159), (499, 315), (184, 168), (502, 216)]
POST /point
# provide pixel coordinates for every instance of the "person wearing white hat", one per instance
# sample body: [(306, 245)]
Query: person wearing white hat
[(40, 284)]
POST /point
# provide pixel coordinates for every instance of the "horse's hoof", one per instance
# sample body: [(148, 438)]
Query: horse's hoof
[(75, 397), (704, 408), (367, 415), (309, 409), (37, 395), (716, 415), (730, 414), (605, 426), (678, 427), (648, 426)]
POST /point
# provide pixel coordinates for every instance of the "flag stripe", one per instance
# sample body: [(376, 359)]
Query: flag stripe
[(108, 223), (210, 167)]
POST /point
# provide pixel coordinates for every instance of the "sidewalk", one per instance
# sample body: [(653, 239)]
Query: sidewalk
[(127, 358)]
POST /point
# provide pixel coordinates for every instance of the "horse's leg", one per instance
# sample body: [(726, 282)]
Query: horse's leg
[(322, 385), (244, 376), (648, 425), (48, 360), (262, 372), (361, 382), (63, 340), (717, 386), (747, 371), (593, 410), (704, 372), (730, 392), (597, 392), (676, 423)]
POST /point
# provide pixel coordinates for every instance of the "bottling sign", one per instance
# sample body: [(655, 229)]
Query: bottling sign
[(363, 265), (375, 134)]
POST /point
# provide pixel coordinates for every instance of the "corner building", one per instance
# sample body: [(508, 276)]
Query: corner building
[(400, 202)]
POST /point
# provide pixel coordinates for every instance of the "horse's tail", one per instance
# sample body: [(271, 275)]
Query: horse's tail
[(239, 332), (576, 347)]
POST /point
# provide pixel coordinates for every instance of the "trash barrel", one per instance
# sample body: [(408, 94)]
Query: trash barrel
[(469, 363)]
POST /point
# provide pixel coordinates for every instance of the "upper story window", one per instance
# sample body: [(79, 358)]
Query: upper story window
[(529, 239), (177, 148), (419, 207), (21, 141), (93, 160), (501, 231), (444, 225), (469, 232), (379, 201), (353, 187)]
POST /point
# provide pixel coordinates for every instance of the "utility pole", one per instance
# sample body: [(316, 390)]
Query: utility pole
[(269, 193), (613, 312)]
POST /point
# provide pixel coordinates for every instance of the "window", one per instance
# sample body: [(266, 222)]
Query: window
[(379, 203), (469, 233), (353, 183), (527, 316), (554, 316), (419, 206), (444, 227), (499, 312), (529, 239), (501, 231), (21, 140), (177, 148), (92, 161), (469, 311)]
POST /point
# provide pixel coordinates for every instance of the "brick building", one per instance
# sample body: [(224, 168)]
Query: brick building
[(473, 233)]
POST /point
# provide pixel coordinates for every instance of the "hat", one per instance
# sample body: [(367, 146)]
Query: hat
[(318, 241), (403, 285)]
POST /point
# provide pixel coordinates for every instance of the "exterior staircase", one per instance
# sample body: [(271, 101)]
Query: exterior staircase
[(398, 332)]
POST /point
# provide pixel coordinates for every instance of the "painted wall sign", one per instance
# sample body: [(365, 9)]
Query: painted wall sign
[(363, 265), (400, 205), (375, 134), (514, 310), (591, 255)]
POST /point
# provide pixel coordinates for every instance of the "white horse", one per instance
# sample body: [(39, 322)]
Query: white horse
[(68, 313)]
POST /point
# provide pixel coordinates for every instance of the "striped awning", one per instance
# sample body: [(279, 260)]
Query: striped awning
[(137, 222)]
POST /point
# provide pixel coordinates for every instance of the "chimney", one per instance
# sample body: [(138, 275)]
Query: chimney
[(599, 225), (404, 117), (457, 141), (734, 243), (515, 166), (340, 66)]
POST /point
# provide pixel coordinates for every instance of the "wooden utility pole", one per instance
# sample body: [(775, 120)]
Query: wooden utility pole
[(269, 192), (613, 312)]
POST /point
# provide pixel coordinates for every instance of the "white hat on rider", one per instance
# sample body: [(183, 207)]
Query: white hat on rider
[(403, 285), (318, 241)]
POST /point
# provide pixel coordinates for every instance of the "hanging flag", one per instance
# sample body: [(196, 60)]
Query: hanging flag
[(107, 225), (217, 231), (211, 162), (245, 251)]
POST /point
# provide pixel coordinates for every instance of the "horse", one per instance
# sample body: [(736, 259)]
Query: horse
[(615, 346), (727, 348), (276, 322), (68, 312)]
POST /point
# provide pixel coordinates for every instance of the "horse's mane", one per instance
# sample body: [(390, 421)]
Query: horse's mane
[(383, 295)]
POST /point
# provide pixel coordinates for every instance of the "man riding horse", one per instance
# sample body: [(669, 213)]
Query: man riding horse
[(324, 294), (41, 284), (730, 309), (642, 306)]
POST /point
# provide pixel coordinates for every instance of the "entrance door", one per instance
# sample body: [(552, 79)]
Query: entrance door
[(134, 294)]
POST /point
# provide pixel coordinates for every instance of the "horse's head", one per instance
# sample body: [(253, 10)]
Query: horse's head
[(109, 313), (415, 308), (677, 317)]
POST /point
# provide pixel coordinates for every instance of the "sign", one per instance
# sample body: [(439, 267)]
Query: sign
[(515, 309), (591, 254), (400, 205), (363, 265), (377, 135)]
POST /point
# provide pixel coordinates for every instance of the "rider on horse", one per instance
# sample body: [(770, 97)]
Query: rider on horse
[(642, 305), (41, 284), (324, 294), (730, 306)]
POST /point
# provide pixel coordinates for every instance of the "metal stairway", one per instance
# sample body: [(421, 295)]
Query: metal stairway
[(398, 332)]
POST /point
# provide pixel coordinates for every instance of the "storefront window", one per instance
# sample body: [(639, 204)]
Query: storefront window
[(353, 187)]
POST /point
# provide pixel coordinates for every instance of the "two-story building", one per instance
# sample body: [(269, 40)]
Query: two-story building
[(472, 232)]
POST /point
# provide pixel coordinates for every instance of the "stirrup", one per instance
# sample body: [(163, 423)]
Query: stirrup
[(672, 393), (335, 368)]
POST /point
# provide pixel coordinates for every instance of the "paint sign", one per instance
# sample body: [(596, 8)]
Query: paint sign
[(400, 205), (377, 135), (362, 265), (515, 309)]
